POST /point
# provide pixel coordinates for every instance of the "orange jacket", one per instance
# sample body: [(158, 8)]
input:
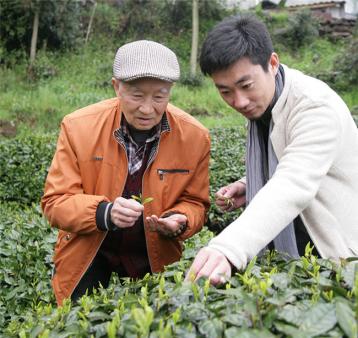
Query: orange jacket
[(90, 166)]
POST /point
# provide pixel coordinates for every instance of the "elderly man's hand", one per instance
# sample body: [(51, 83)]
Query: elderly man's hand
[(231, 197), (171, 226), (125, 212), (212, 264)]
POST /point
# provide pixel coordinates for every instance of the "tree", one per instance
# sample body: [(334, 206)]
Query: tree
[(27, 25), (195, 38), (35, 30), (90, 22)]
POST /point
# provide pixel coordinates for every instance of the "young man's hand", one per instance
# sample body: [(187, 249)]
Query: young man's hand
[(170, 226), (231, 197), (212, 264), (125, 212)]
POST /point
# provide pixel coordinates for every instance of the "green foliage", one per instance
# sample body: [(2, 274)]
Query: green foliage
[(26, 244), (301, 30), (42, 68), (227, 165), (23, 167), (300, 298), (346, 66), (59, 25), (141, 18), (189, 80), (272, 297)]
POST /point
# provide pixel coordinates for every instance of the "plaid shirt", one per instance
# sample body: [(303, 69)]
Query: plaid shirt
[(135, 152)]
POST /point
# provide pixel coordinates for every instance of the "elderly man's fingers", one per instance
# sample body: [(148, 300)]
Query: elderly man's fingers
[(125, 212), (120, 223), (172, 225), (152, 222), (129, 204)]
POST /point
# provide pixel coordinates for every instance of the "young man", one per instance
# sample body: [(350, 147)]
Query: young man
[(301, 159), (136, 144)]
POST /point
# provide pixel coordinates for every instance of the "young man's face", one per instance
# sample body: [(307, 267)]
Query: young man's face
[(143, 101), (247, 87)]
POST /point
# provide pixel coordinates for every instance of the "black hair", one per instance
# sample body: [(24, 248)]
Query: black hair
[(232, 39)]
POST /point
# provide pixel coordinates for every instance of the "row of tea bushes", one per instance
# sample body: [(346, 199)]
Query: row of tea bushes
[(26, 244), (308, 297)]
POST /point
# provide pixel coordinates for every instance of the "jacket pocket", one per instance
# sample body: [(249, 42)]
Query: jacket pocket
[(163, 172)]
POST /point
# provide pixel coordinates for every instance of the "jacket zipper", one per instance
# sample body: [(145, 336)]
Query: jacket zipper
[(91, 261), (162, 172), (145, 171)]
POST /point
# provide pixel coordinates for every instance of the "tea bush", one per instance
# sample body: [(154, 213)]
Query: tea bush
[(26, 244), (24, 163), (273, 297)]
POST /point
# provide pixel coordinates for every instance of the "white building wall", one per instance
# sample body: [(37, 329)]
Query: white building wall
[(351, 6)]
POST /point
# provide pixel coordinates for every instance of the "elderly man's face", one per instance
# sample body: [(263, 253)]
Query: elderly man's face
[(143, 101), (247, 87)]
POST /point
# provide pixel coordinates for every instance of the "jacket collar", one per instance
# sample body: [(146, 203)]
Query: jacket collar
[(279, 116)]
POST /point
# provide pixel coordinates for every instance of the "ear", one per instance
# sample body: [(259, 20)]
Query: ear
[(274, 63), (115, 84)]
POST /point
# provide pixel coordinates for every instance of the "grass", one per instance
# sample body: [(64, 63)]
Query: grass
[(206, 104), (66, 82), (314, 59)]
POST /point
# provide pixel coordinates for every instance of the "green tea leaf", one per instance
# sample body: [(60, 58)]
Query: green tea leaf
[(346, 319), (211, 328), (319, 319), (148, 200)]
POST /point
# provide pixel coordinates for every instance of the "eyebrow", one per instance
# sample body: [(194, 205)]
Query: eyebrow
[(242, 79)]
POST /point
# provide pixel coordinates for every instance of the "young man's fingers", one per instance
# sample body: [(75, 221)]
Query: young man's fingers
[(198, 263), (210, 263), (220, 273)]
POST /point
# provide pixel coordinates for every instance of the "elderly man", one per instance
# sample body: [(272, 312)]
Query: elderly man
[(301, 156), (113, 157)]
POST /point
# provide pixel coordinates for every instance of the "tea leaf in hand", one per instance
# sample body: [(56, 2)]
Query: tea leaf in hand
[(147, 200)]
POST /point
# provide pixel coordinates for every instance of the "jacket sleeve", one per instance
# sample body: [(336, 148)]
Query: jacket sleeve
[(313, 138), (64, 202), (194, 201)]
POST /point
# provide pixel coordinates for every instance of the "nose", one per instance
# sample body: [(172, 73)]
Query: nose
[(240, 101), (146, 106)]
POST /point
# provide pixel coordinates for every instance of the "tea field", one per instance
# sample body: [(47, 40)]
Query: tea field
[(273, 297)]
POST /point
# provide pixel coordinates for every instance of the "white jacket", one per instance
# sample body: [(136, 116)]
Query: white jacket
[(316, 142)]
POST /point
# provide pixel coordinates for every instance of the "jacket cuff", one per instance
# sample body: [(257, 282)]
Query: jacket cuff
[(103, 217)]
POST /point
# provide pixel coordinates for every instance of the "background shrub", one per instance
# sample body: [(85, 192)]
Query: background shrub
[(301, 29), (227, 165), (26, 246), (346, 65), (24, 163)]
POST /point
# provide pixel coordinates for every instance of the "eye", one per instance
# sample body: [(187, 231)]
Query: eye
[(247, 85), (137, 96), (159, 98)]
